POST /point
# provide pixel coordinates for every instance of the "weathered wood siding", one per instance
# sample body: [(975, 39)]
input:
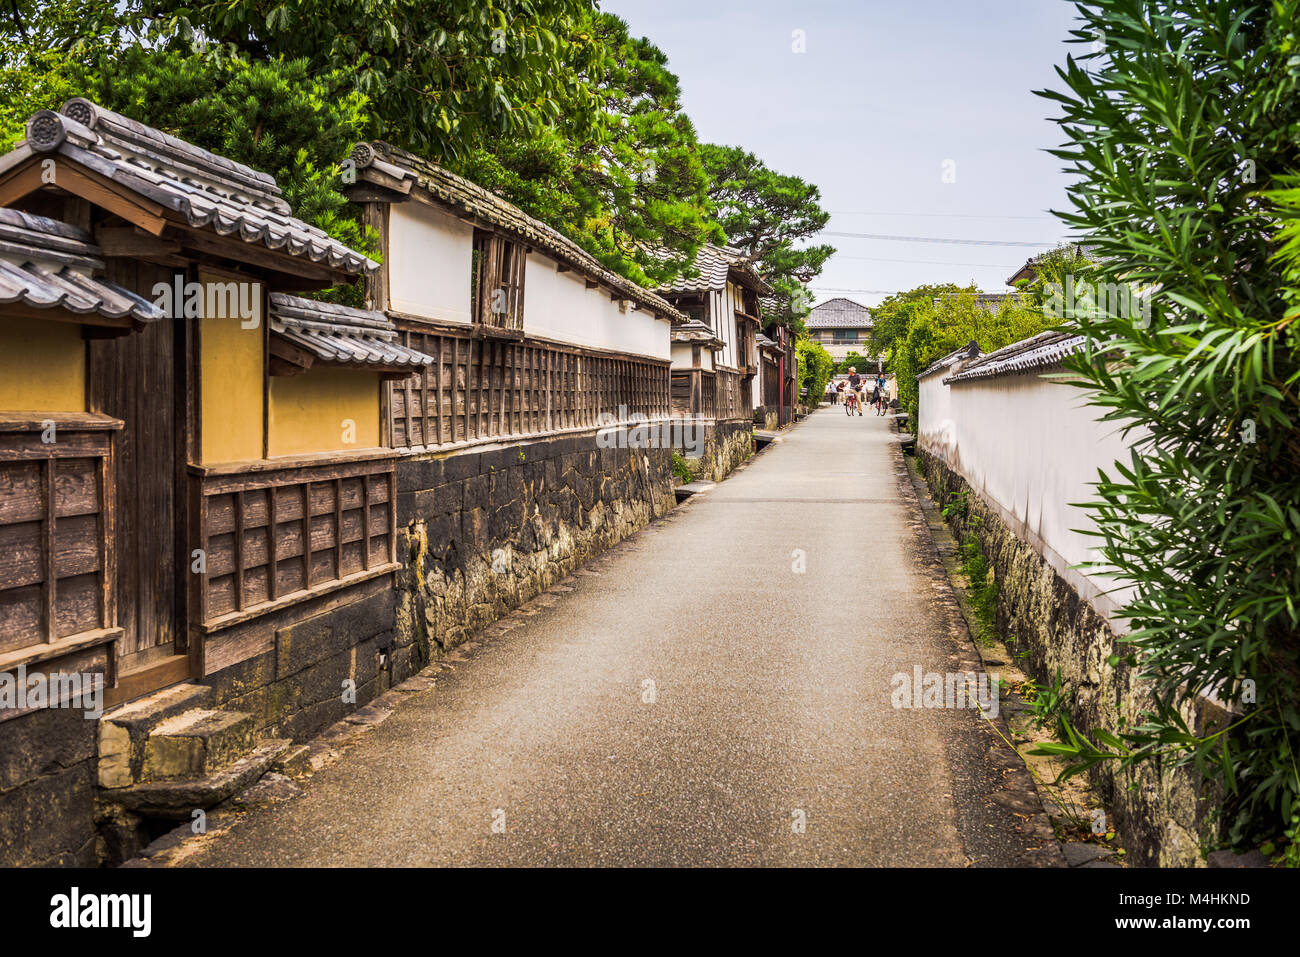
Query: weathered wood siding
[(483, 389), (56, 522), (331, 523)]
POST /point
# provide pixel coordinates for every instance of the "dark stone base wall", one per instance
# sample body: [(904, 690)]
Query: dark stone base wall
[(482, 532), (294, 689), (726, 445), (1161, 813), (47, 789), (48, 775)]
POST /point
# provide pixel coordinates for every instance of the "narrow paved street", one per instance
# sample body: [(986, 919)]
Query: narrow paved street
[(771, 691)]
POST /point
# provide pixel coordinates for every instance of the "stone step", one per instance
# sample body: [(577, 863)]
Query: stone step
[(124, 731), (196, 744), (177, 800), (683, 492)]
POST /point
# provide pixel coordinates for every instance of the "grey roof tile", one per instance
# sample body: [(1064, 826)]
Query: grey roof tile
[(839, 313), (968, 351), (713, 265), (47, 264), (693, 330), (334, 333), (208, 191), (1043, 351)]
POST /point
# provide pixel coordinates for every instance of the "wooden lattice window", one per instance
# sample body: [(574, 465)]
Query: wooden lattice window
[(497, 277)]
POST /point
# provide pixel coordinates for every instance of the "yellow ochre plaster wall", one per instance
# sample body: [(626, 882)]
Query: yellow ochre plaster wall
[(231, 383), (320, 410), (42, 366)]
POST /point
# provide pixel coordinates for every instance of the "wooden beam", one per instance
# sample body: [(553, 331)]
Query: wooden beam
[(70, 177), (291, 354), (250, 254), (136, 243)]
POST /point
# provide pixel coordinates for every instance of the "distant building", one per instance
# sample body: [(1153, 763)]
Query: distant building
[(1029, 270), (841, 326)]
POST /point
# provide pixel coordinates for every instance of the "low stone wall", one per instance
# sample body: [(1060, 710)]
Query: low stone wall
[(726, 445), (47, 774), (47, 789), (296, 688), (482, 532), (1161, 813)]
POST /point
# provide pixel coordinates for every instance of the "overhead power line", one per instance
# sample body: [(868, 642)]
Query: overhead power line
[(883, 292), (932, 239), (923, 262), (857, 212)]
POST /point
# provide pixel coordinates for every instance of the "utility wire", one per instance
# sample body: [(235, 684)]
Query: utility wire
[(855, 212), (932, 239), (923, 262)]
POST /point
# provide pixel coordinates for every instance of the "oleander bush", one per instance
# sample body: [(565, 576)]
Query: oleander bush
[(1182, 126)]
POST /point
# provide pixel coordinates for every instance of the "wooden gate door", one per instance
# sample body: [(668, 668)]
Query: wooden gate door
[(134, 378)]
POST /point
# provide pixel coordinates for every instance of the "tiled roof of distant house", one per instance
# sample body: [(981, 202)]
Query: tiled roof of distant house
[(47, 264), (839, 313), (456, 191), (205, 190), (1028, 271)]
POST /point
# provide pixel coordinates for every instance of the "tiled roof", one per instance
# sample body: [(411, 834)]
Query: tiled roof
[(460, 193), (47, 264), (839, 313), (334, 333), (693, 330), (206, 190), (714, 264), (764, 342), (1027, 271), (1042, 351), (968, 351)]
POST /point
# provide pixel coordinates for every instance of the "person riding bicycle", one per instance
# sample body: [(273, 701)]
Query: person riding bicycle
[(855, 384)]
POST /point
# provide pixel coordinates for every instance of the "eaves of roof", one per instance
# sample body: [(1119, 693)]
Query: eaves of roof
[(201, 189), (338, 334), (1043, 351)]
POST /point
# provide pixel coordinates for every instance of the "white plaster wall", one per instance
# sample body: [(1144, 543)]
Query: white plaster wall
[(429, 262), (723, 316), (558, 305), (1032, 447), (683, 357)]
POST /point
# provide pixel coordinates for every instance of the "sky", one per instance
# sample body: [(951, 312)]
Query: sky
[(886, 102)]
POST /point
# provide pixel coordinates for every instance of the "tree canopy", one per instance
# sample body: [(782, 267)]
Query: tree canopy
[(631, 188), (552, 103), (769, 215)]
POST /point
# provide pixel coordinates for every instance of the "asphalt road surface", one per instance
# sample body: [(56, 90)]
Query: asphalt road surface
[(771, 614)]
